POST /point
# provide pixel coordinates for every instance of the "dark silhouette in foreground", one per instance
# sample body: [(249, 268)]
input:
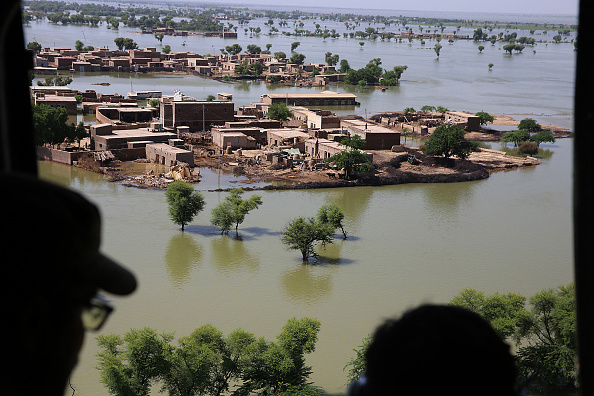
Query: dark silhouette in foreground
[(437, 350), (52, 273)]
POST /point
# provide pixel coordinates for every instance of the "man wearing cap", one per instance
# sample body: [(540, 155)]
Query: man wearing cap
[(52, 273)]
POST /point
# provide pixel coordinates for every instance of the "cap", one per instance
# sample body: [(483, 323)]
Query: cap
[(54, 236)]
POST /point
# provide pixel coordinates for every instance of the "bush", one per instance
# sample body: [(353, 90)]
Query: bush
[(528, 148)]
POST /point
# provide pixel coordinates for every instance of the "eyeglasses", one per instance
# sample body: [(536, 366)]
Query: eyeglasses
[(95, 313)]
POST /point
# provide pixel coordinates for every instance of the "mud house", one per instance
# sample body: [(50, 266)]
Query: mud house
[(287, 137), (376, 137), (198, 115), (108, 137), (67, 102), (139, 116), (168, 154), (326, 98), (322, 148), (467, 121), (256, 135), (233, 139), (316, 118)]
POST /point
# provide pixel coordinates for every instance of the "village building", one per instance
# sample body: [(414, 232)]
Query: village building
[(108, 137), (169, 154), (322, 148), (120, 115), (376, 137), (234, 138), (468, 122), (287, 137), (315, 118), (326, 98), (67, 102), (198, 115)]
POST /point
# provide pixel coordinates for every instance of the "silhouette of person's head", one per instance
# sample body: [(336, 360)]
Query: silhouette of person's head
[(52, 270), (439, 350)]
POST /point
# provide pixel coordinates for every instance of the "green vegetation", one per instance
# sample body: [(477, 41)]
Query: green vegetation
[(529, 124), (249, 69), (232, 211), (184, 203), (154, 102), (333, 215), (448, 140), (297, 59), (484, 117), (543, 329), (208, 363), (55, 81), (52, 127), (124, 43), (352, 160), (303, 234), (373, 74), (279, 112), (34, 46)]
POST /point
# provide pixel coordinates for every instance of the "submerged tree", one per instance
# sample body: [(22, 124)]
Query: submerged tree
[(184, 203), (233, 210), (303, 234), (332, 214)]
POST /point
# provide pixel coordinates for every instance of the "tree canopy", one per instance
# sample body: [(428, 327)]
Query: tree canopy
[(332, 214), (232, 211), (51, 126), (279, 112), (484, 117), (207, 362), (529, 124), (124, 43), (184, 203), (352, 160), (304, 233), (373, 74), (448, 140), (542, 327)]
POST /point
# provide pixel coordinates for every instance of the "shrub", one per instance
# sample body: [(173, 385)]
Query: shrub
[(528, 148)]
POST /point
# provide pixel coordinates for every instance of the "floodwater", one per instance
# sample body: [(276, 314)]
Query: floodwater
[(407, 245)]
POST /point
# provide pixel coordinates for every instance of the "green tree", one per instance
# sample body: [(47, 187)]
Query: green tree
[(516, 137), (34, 46), (344, 66), (484, 117), (491, 66), (428, 108), (481, 48), (184, 203), (154, 102), (233, 49), (448, 140), (357, 365), (280, 55), (303, 234), (294, 45), (79, 45), (333, 215), (233, 210), (297, 59), (529, 124), (51, 126), (330, 59), (166, 49), (542, 137), (557, 38), (160, 37), (280, 112), (441, 109), (352, 160), (253, 49), (437, 49), (544, 331), (124, 43), (132, 364), (408, 110)]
